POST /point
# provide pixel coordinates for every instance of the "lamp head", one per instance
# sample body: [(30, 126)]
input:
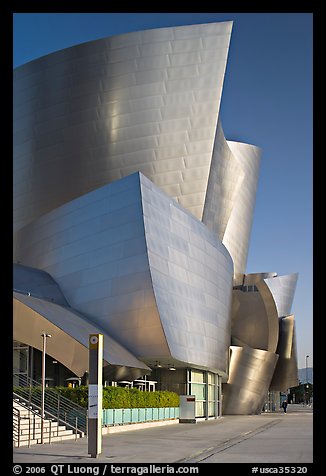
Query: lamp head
[(45, 335)]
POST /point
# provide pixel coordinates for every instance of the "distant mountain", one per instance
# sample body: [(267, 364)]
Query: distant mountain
[(302, 375)]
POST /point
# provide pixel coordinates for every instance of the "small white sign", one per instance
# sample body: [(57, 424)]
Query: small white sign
[(93, 401)]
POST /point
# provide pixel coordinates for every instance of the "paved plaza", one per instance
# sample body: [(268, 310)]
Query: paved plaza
[(266, 438)]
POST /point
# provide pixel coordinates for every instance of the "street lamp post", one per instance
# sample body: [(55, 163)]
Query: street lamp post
[(44, 336), (306, 386)]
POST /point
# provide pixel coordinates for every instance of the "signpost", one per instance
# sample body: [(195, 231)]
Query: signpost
[(95, 395)]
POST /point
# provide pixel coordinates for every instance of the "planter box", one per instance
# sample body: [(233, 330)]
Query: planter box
[(126, 416)]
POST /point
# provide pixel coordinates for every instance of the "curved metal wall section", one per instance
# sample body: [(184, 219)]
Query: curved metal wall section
[(93, 113), (256, 326), (230, 197), (95, 248), (138, 263), (70, 332), (37, 283), (254, 318), (286, 372), (251, 371), (139, 266), (238, 229), (192, 275), (284, 348), (283, 289), (255, 278), (271, 311), (225, 179)]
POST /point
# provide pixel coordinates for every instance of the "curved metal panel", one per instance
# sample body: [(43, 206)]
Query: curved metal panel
[(283, 289), (256, 278), (95, 248), (250, 374), (37, 283), (141, 267), (284, 348), (225, 179), (70, 334), (192, 280), (271, 311), (93, 113), (230, 196), (286, 372), (292, 376), (251, 323), (255, 322), (238, 229), (254, 315), (131, 259)]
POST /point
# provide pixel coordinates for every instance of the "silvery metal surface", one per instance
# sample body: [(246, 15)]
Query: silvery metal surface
[(93, 113), (225, 179), (119, 154), (283, 289), (70, 333), (253, 323), (141, 267), (251, 371), (95, 249), (256, 326), (238, 229), (271, 311), (254, 313), (286, 372), (284, 348), (230, 197), (254, 278), (192, 275), (38, 283)]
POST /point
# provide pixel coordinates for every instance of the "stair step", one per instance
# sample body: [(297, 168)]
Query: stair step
[(37, 434), (31, 423), (54, 430), (24, 442), (37, 423), (26, 411)]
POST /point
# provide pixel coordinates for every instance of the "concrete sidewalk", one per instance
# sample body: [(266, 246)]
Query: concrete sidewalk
[(265, 438)]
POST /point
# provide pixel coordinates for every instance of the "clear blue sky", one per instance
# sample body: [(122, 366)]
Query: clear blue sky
[(267, 101)]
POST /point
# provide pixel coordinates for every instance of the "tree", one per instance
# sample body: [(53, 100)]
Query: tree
[(302, 393)]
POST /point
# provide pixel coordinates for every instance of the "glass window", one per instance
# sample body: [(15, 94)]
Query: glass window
[(211, 409), (20, 358), (200, 411), (211, 392), (198, 390), (217, 392), (206, 388), (197, 376)]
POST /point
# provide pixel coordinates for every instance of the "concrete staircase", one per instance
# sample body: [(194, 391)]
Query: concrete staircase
[(27, 427)]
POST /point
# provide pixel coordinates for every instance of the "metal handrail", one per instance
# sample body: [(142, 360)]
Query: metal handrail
[(37, 411), (17, 418), (54, 403), (16, 425)]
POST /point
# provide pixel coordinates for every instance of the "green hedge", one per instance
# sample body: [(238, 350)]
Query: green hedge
[(119, 397)]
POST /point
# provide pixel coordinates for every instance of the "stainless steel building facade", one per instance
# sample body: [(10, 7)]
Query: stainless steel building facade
[(132, 217)]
